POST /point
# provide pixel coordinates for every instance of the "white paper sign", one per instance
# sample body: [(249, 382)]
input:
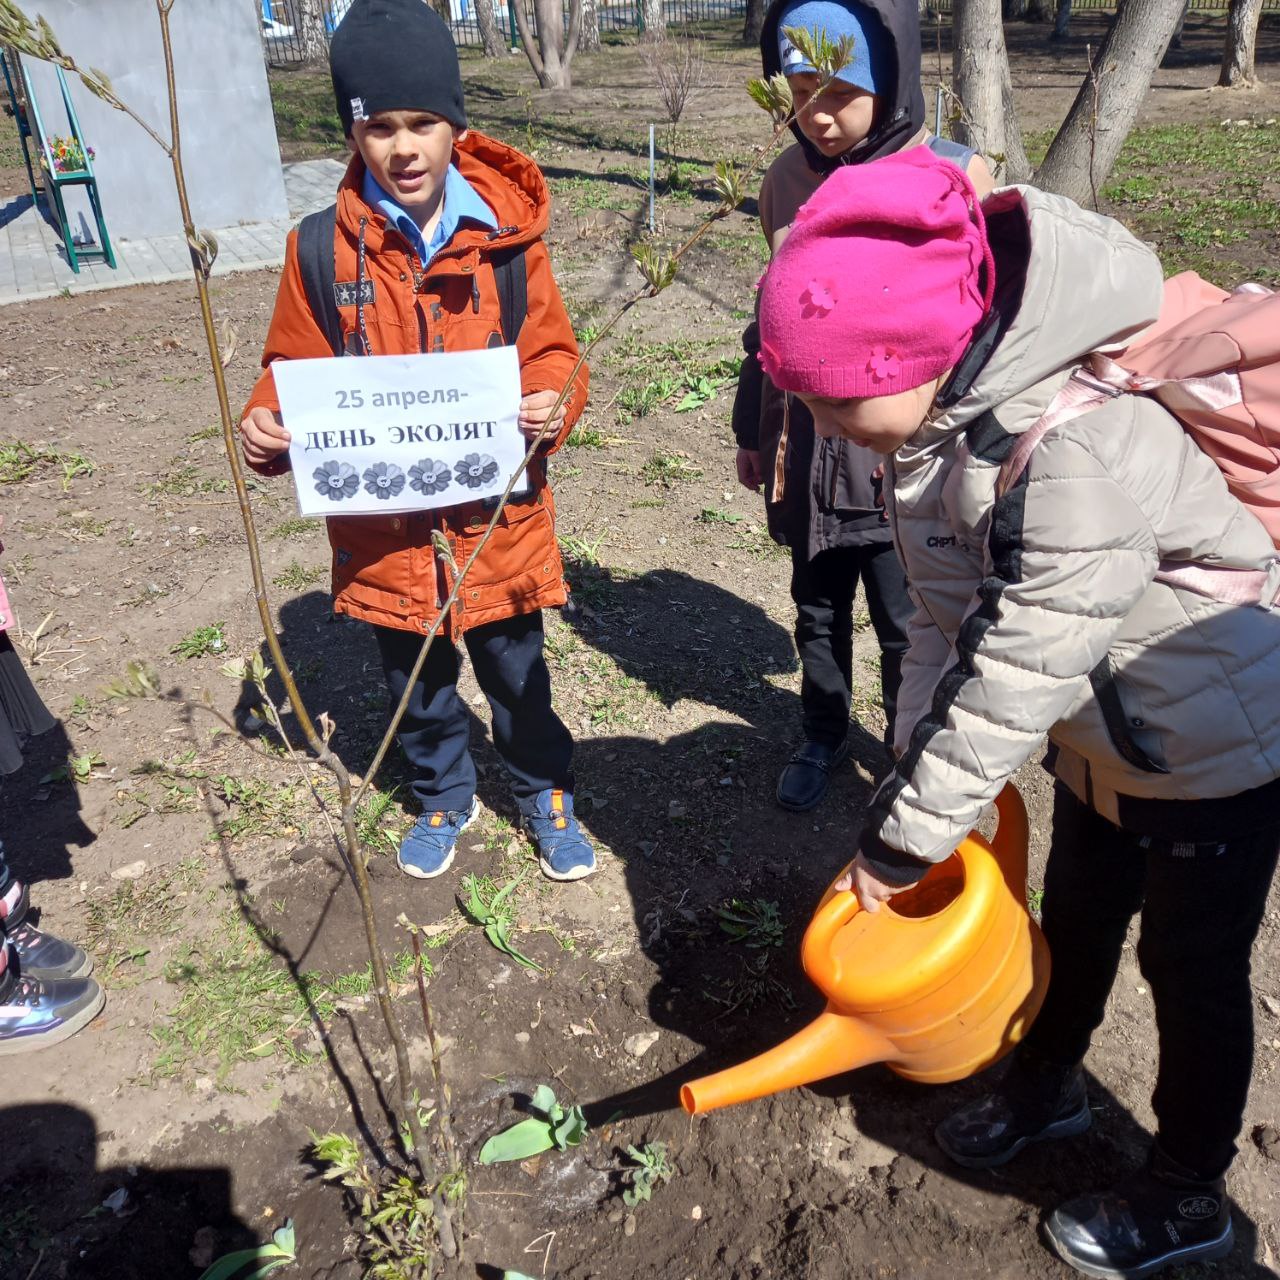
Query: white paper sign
[(375, 434)]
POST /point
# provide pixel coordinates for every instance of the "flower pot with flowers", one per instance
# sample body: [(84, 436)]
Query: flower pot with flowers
[(68, 155)]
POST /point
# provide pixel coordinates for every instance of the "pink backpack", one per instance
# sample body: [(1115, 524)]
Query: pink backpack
[(1213, 360)]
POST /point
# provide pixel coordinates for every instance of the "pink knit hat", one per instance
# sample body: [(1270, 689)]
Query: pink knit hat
[(878, 287)]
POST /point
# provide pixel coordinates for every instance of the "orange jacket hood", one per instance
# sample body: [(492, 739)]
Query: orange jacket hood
[(507, 181)]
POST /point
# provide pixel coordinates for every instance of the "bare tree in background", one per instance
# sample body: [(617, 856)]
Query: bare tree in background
[(1085, 148), (1089, 141), (677, 67), (655, 22), (552, 53), (980, 70), (754, 24), (589, 39), (490, 32), (309, 26), (1241, 44)]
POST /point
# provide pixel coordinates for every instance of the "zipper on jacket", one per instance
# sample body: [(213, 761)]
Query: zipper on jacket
[(360, 326)]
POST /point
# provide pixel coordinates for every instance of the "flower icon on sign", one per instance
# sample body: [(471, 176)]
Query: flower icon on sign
[(883, 364), (475, 470), (336, 480), (818, 299), (429, 476), (383, 480)]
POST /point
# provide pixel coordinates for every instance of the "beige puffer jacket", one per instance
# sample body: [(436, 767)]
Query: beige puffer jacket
[(1038, 613)]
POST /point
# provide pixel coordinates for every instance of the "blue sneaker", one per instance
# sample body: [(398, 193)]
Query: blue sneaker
[(429, 847), (564, 853), (41, 955), (35, 1014)]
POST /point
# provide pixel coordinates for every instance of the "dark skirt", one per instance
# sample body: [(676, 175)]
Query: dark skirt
[(22, 714)]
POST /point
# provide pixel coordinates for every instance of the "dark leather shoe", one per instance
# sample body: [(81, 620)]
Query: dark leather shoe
[(803, 782), (1158, 1219), (1034, 1102)]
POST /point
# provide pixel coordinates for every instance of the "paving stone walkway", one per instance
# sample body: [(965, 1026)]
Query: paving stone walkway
[(34, 265)]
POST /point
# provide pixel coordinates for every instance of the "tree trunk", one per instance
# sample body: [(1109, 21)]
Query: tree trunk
[(980, 70), (1175, 41), (589, 40), (490, 32), (652, 17), (1242, 40), (309, 17), (550, 50), (1040, 11), (754, 24), (1062, 23), (1012, 10), (1107, 105)]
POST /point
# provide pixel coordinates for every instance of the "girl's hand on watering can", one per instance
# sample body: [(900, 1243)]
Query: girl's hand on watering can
[(871, 890)]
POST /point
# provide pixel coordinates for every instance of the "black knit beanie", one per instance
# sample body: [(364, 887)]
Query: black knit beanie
[(395, 55)]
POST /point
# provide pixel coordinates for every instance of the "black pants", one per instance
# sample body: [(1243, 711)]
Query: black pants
[(435, 732), (823, 589), (1201, 908)]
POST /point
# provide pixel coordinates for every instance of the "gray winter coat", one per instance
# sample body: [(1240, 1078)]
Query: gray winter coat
[(1038, 612)]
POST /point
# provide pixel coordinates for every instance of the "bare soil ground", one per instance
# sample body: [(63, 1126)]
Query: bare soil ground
[(174, 839)]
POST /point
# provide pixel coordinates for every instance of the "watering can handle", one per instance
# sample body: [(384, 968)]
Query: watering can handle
[(816, 954)]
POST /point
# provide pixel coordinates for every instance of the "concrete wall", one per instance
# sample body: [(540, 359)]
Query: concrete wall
[(229, 144)]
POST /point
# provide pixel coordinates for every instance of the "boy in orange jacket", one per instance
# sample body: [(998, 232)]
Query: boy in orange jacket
[(425, 215)]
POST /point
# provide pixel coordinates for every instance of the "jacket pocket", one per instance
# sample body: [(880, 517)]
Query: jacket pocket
[(1120, 722)]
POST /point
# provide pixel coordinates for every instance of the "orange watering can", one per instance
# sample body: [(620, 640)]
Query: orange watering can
[(942, 981)]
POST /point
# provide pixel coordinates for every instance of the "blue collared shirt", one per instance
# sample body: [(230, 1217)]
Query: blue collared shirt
[(461, 203)]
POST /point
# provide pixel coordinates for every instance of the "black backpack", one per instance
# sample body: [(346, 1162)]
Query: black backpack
[(315, 261)]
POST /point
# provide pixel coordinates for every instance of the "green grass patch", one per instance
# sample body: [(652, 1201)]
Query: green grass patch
[(19, 461), (258, 807), (307, 121), (239, 1002), (299, 577), (203, 642), (295, 527), (185, 481), (667, 468), (121, 922), (1205, 195)]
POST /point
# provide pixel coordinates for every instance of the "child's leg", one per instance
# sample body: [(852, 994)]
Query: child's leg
[(885, 585), (1093, 885), (1203, 910), (531, 739), (1092, 888), (435, 732), (823, 589)]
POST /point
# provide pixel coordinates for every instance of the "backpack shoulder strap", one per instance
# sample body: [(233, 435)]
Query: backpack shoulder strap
[(315, 261), (1077, 396), (512, 274)]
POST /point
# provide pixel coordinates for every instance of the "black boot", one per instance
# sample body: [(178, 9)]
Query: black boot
[(1035, 1101), (803, 782), (1161, 1217)]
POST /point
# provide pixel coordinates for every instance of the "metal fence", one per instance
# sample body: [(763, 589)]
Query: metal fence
[(285, 45)]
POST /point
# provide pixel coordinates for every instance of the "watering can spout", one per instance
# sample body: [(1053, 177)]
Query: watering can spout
[(829, 1046)]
